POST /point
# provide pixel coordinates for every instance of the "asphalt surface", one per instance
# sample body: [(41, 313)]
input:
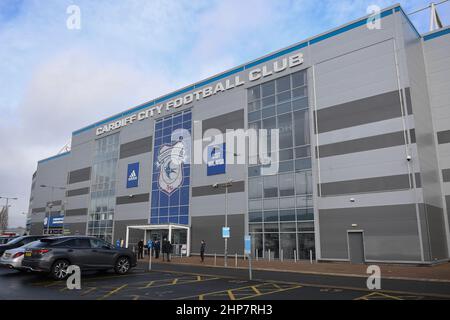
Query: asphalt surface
[(182, 282)]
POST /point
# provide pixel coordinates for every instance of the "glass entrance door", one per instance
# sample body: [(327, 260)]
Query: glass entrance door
[(179, 241)]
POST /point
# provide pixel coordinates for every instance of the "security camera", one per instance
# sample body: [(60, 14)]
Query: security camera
[(352, 199), (215, 185), (408, 157), (131, 195)]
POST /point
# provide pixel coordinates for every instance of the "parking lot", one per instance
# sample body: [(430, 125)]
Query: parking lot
[(182, 285)]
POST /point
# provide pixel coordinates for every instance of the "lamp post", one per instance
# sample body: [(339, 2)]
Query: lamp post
[(50, 205), (226, 186), (5, 220)]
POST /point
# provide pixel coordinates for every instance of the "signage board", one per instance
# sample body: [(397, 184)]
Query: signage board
[(216, 159)]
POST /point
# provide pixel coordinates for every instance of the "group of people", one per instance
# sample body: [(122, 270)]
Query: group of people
[(155, 247), (166, 247)]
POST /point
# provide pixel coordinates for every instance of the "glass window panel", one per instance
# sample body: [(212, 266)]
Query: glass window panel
[(286, 166), (270, 186), (254, 171), (255, 216), (300, 104), (283, 97), (305, 214), (286, 154), (270, 216), (288, 202), (302, 152), (299, 92), (271, 245), (288, 244), (302, 164), (286, 183), (288, 227), (255, 205), (287, 215), (268, 112), (257, 244), (271, 227), (255, 227), (283, 84), (254, 93), (298, 79), (270, 123), (253, 116), (305, 201), (303, 182), (270, 204), (284, 108), (301, 125), (285, 130), (267, 102), (255, 188), (268, 88), (305, 226), (253, 106), (306, 245)]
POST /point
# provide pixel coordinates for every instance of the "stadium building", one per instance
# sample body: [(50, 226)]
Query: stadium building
[(363, 171)]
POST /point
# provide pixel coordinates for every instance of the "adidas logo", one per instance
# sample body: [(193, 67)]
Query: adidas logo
[(132, 176)]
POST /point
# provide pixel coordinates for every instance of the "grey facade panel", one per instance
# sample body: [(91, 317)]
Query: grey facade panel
[(446, 175), (209, 228), (36, 210), (76, 228), (363, 144), (396, 240), (143, 197), (231, 120), (77, 212), (120, 231), (136, 147), (436, 227), (376, 108), (237, 186), (397, 182), (443, 136), (79, 175), (37, 228), (77, 192)]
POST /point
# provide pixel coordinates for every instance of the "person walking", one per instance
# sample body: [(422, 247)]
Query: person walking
[(164, 248), (157, 248), (141, 249), (202, 250), (169, 250)]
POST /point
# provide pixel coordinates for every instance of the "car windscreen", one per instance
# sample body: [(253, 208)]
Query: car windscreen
[(16, 240), (46, 242)]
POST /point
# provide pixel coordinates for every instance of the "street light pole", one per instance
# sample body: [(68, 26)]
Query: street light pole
[(226, 186), (6, 211)]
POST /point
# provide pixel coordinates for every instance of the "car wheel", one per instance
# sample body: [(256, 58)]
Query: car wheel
[(123, 265), (59, 269)]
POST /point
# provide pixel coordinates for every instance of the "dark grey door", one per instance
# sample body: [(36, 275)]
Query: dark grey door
[(356, 247)]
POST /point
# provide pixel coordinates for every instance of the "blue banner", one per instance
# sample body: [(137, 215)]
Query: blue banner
[(55, 222), (216, 159), (133, 175)]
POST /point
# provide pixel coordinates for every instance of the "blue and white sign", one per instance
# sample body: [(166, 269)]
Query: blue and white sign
[(247, 244), (216, 159), (133, 175), (150, 244), (55, 222), (225, 232)]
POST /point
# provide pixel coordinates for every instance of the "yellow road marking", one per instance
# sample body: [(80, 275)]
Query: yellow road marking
[(149, 284), (113, 292), (231, 295), (256, 290), (201, 297), (88, 291), (176, 280), (271, 292)]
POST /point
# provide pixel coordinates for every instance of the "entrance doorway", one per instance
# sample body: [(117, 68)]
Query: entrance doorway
[(179, 236), (356, 246)]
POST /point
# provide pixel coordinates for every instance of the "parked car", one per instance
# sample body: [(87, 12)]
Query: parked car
[(5, 239), (18, 242), (13, 258), (54, 255)]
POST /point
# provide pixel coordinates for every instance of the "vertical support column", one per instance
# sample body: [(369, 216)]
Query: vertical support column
[(126, 237)]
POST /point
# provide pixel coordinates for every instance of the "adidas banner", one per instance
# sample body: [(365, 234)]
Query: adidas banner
[(133, 175)]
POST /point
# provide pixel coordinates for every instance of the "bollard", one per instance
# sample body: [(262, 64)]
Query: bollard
[(295, 256), (256, 254), (282, 255), (269, 255), (235, 260), (310, 256), (215, 259)]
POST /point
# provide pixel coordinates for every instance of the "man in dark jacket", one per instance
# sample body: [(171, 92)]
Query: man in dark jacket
[(157, 248), (141, 249), (202, 250), (164, 248)]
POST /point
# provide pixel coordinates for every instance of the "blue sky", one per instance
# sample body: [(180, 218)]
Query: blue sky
[(54, 80)]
